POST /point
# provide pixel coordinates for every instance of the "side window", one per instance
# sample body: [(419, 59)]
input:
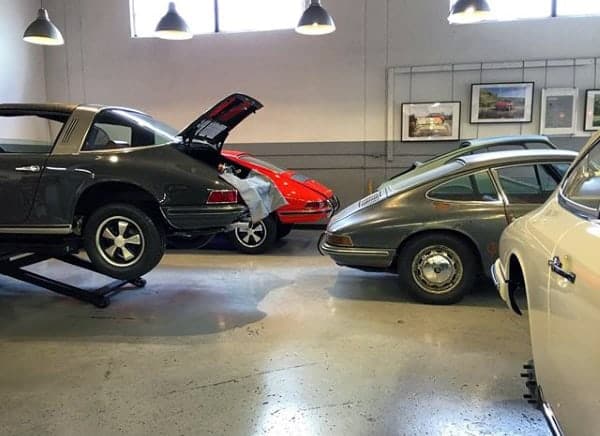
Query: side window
[(583, 185), (117, 128), (473, 187), (530, 184), (28, 134)]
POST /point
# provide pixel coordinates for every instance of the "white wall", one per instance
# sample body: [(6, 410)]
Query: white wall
[(21, 66), (330, 88)]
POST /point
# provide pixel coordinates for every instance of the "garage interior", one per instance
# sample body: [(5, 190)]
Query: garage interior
[(285, 342)]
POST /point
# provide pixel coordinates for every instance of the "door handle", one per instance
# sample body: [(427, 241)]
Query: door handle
[(557, 267), (29, 169)]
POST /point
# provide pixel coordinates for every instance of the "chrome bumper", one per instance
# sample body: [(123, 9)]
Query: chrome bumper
[(358, 257), (499, 278)]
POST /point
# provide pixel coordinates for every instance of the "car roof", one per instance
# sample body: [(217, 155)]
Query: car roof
[(514, 157), (33, 108), (506, 140)]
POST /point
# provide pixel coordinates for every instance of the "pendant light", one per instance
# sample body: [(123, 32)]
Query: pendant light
[(42, 31), (173, 26), (469, 11), (315, 20)]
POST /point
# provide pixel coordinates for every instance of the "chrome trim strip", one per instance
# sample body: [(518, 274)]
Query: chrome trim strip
[(548, 413), (58, 230)]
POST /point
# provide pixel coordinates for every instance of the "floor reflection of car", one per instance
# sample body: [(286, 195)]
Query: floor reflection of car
[(504, 105), (476, 146), (308, 202), (553, 254), (439, 229)]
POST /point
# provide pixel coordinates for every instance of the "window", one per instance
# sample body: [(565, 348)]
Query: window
[(530, 184), (113, 129), (28, 134), (583, 185), (210, 16), (261, 163), (508, 10), (474, 187)]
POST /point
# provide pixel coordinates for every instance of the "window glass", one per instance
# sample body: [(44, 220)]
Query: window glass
[(245, 15), (473, 187), (583, 185), (28, 134), (113, 129), (262, 163), (145, 15), (578, 7), (530, 184)]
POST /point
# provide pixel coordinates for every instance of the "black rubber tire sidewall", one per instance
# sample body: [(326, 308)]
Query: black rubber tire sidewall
[(271, 229), (153, 237), (469, 263), (283, 230)]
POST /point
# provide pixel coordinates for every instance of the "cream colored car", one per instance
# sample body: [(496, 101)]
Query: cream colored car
[(553, 254)]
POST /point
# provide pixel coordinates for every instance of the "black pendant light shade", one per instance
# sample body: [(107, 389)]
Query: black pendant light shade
[(172, 25), (42, 31), (315, 20), (469, 11)]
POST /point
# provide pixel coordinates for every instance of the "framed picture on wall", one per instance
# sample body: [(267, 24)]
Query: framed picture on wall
[(559, 111), (501, 102), (592, 110), (434, 121)]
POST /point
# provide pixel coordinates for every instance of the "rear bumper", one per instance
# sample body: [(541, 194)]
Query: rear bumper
[(204, 217), (358, 257)]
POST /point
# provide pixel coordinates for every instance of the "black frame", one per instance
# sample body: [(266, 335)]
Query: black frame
[(529, 120), (430, 103), (585, 118)]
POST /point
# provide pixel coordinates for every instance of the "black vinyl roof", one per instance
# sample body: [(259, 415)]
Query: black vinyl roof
[(8, 109)]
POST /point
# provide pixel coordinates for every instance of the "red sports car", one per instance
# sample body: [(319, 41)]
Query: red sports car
[(308, 202)]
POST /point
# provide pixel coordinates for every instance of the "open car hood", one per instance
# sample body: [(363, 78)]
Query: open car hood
[(214, 126)]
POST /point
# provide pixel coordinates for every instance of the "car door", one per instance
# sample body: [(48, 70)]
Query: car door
[(525, 187), (574, 311), (19, 180)]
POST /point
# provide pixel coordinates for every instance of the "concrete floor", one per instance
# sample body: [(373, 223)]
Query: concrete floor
[(287, 343)]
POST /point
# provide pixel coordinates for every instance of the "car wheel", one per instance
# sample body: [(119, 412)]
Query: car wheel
[(122, 241), (189, 243), (283, 230), (256, 239), (438, 269)]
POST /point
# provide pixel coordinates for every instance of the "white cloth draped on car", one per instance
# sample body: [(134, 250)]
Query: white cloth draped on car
[(260, 195)]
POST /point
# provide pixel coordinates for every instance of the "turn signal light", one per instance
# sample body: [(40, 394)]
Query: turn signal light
[(222, 197), (339, 240)]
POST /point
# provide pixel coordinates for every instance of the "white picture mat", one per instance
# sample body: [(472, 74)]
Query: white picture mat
[(559, 92), (528, 105)]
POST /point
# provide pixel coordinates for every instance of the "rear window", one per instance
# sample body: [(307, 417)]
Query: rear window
[(259, 162), (28, 134)]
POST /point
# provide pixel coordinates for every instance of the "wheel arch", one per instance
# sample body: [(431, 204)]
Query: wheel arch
[(106, 192), (515, 276), (457, 233)]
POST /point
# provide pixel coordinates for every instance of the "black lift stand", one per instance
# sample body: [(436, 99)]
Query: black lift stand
[(15, 257)]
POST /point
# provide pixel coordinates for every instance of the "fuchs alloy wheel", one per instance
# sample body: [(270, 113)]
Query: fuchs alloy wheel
[(256, 239), (122, 241), (437, 268)]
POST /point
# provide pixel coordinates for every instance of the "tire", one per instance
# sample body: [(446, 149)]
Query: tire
[(261, 238), (191, 243), (283, 230), (445, 282), (116, 231)]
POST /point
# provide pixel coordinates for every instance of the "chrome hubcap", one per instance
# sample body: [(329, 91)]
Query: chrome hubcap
[(437, 269), (252, 236), (120, 241)]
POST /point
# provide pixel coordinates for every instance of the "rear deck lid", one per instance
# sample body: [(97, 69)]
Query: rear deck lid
[(214, 126)]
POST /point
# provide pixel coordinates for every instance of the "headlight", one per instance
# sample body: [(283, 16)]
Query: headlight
[(339, 240)]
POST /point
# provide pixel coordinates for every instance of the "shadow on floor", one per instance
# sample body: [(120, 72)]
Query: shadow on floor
[(175, 302), (358, 285)]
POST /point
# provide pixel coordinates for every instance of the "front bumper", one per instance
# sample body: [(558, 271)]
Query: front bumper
[(499, 278), (358, 257)]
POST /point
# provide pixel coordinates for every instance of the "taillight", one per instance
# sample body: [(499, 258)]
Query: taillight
[(222, 197)]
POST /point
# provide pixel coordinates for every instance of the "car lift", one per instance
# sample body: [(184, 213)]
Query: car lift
[(14, 257)]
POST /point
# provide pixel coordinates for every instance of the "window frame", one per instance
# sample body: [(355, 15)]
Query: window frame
[(498, 201), (572, 206), (498, 182)]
